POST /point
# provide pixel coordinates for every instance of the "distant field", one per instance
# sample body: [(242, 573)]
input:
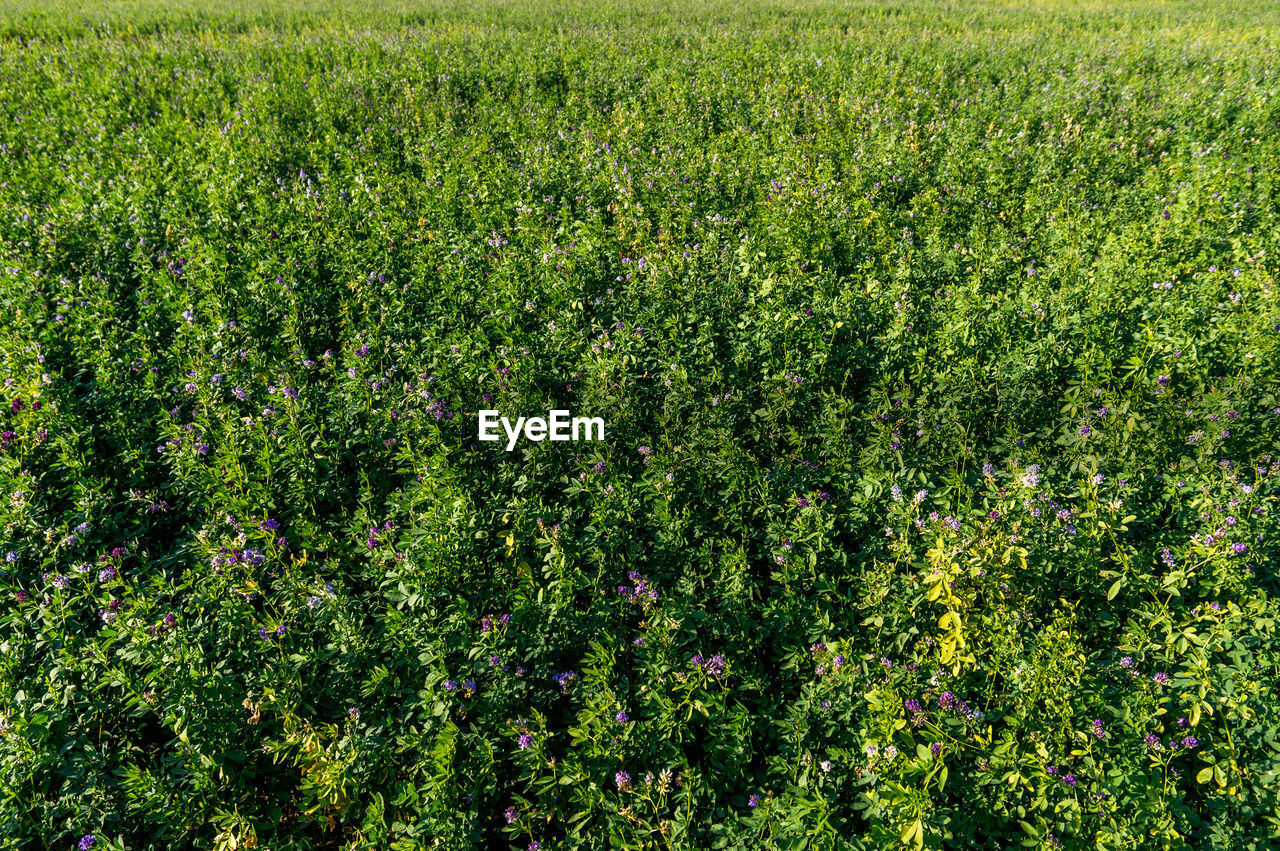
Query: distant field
[(936, 348)]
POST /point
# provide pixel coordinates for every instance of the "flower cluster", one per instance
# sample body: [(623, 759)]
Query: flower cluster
[(641, 593), (715, 665)]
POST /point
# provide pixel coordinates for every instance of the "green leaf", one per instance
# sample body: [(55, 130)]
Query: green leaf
[(1115, 588)]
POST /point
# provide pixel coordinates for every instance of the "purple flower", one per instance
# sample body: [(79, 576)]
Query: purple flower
[(1151, 741), (525, 741), (1240, 549), (87, 842), (715, 666), (1161, 678), (512, 814), (269, 525), (753, 801), (451, 685), (1070, 780), (623, 779), (622, 718), (1190, 742), (1098, 730)]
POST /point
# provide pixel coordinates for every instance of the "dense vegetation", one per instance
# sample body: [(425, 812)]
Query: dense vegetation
[(937, 348)]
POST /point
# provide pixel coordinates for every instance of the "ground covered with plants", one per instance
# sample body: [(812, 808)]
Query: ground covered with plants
[(936, 345)]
